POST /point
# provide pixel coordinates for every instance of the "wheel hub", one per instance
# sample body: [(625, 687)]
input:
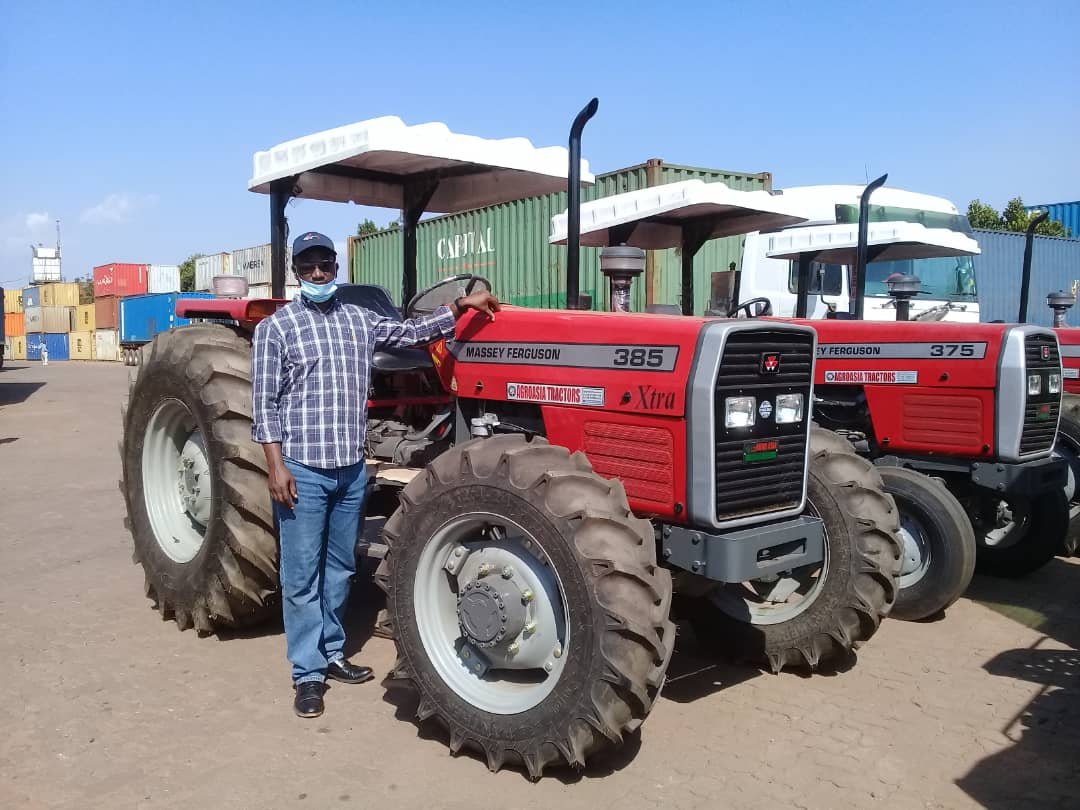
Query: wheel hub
[(489, 615), (193, 473), (915, 557)]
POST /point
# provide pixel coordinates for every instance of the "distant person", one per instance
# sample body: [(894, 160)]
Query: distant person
[(310, 371), (44, 354)]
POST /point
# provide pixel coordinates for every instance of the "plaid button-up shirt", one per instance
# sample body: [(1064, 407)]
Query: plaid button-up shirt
[(310, 373)]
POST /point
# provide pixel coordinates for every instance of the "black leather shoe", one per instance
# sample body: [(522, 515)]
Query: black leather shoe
[(342, 670), (309, 699)]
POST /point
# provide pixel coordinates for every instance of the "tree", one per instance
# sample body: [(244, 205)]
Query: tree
[(366, 227), (187, 273), (1013, 218)]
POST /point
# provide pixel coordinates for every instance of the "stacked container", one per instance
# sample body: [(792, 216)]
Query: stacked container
[(57, 345), (120, 279), (48, 319), (142, 317), (81, 346), (106, 345), (60, 294), (206, 267), (31, 297), (13, 304), (85, 318), (14, 323), (18, 347), (163, 278)]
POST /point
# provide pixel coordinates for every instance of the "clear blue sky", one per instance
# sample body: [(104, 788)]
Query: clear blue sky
[(135, 123)]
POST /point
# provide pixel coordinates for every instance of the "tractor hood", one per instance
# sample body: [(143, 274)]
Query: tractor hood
[(654, 218), (370, 163), (889, 241)]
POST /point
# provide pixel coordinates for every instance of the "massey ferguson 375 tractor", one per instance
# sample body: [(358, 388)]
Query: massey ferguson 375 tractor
[(565, 469), (959, 418)]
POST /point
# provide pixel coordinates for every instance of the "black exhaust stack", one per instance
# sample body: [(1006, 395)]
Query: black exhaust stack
[(280, 191), (1025, 278), (573, 206), (858, 276)]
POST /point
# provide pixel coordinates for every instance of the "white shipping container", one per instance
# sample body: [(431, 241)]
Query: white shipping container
[(253, 263), (206, 267), (106, 346), (263, 291), (163, 278), (48, 319)]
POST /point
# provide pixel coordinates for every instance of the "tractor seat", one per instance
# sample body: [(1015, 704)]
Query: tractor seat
[(401, 360)]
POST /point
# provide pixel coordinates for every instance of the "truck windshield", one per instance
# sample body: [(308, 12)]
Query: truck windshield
[(950, 278)]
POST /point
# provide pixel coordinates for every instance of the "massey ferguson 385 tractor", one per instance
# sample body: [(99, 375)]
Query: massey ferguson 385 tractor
[(565, 470), (960, 418)]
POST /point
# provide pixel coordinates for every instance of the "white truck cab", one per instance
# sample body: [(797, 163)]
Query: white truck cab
[(908, 233)]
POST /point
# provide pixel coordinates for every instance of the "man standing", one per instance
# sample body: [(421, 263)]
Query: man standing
[(311, 368)]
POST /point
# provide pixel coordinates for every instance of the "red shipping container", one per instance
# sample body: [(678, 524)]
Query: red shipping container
[(120, 279), (107, 312)]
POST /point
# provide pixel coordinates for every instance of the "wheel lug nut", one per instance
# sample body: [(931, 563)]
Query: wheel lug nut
[(557, 652), (526, 595), (485, 569), (513, 648), (507, 572), (465, 652), (530, 627), (548, 666)]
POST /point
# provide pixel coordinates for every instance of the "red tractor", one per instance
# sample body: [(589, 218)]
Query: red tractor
[(566, 471), (960, 419)]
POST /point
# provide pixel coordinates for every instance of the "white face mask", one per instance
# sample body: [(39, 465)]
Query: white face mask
[(318, 292)]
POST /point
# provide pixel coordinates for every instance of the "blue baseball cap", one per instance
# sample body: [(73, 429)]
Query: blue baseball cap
[(311, 239)]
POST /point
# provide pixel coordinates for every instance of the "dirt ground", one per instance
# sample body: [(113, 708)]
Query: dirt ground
[(104, 705)]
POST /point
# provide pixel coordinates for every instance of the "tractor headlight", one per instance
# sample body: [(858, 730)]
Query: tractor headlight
[(789, 408), (1054, 384), (739, 412), (1034, 385)]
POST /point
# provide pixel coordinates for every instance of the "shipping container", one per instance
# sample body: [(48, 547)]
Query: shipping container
[(206, 267), (252, 263), (81, 346), (120, 279), (45, 265), (60, 295), (163, 278), (1055, 265), (31, 297), (107, 312), (263, 291), (1067, 213), (13, 302), (9, 348), (106, 346), (508, 244), (18, 347), (48, 319), (85, 318), (14, 323), (56, 343), (144, 316)]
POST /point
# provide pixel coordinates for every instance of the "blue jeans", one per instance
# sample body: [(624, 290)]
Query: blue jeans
[(318, 555)]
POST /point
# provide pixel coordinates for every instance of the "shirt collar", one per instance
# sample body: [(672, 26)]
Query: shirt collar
[(307, 302)]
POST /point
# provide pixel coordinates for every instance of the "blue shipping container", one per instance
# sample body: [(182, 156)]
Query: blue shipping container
[(56, 343), (31, 297), (1055, 265), (1067, 213), (144, 316)]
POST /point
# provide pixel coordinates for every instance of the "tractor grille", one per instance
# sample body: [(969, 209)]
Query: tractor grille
[(1040, 412), (746, 488)]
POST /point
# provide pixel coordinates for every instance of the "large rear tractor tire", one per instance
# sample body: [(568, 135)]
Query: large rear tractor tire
[(939, 544), (1068, 447), (822, 612), (527, 607), (196, 485)]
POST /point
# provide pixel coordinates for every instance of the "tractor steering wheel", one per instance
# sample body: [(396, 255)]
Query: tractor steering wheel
[(765, 312), (464, 281)]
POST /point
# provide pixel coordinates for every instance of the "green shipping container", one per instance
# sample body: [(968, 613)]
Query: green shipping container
[(508, 244)]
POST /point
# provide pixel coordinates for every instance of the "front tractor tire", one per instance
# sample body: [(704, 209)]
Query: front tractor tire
[(822, 613), (939, 544), (527, 607), (195, 485)]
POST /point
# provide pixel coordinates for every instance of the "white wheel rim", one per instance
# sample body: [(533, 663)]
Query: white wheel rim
[(510, 681), (775, 600), (1010, 526), (176, 481), (915, 561)]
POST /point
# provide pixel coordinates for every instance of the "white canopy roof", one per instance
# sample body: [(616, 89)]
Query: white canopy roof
[(838, 244), (369, 162), (661, 213)]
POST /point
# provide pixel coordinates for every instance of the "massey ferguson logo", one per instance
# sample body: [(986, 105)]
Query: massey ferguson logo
[(1045, 352), (770, 363)]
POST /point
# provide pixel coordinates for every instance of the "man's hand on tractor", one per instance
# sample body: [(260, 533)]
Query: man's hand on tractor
[(480, 301)]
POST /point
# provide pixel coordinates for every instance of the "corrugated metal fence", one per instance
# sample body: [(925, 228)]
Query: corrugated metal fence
[(508, 244), (1055, 265)]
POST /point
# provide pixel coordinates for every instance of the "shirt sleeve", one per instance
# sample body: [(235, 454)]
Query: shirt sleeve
[(266, 385), (402, 334)]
